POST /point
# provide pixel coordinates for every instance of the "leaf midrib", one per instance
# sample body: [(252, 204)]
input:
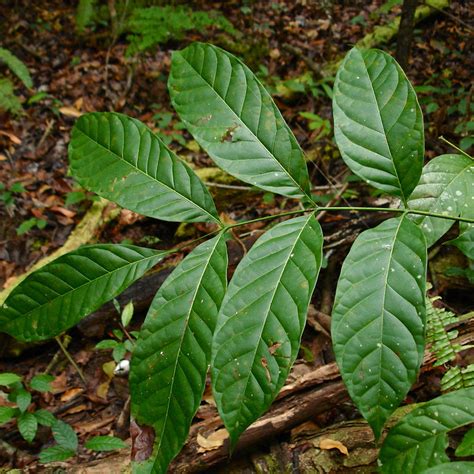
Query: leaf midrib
[(246, 126), (284, 266), (186, 325), (149, 176), (108, 274), (383, 125)]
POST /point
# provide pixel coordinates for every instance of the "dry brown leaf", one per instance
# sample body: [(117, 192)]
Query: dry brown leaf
[(71, 393), (103, 389), (76, 409), (329, 443), (213, 441), (70, 112), (11, 136)]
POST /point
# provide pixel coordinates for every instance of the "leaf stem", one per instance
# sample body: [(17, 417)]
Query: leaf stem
[(455, 147), (70, 359), (350, 208)]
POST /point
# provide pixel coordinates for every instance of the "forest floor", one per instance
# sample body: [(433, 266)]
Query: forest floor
[(288, 44)]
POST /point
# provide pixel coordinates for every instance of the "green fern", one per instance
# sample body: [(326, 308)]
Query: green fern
[(9, 102), (84, 14), (157, 25), (444, 349), (16, 66)]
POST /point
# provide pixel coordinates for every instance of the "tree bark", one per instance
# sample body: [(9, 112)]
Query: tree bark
[(405, 33)]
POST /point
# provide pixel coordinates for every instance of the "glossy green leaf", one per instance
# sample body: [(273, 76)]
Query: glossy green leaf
[(6, 414), (64, 435), (466, 448), (261, 320), (419, 440), (55, 453), (465, 241), (45, 417), (127, 314), (60, 294), (27, 426), (235, 120), (465, 467), (41, 382), (378, 123), (105, 443), (8, 378), (379, 317), (120, 159), (171, 356), (22, 398), (446, 187)]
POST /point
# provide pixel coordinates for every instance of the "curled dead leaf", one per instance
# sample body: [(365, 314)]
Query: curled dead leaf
[(213, 441), (70, 112), (329, 443)]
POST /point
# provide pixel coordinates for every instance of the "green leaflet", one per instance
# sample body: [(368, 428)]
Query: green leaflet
[(261, 320), (171, 358), (120, 159), (378, 124), (451, 467), (379, 317), (446, 186), (465, 241), (235, 120), (60, 294), (27, 426), (419, 440)]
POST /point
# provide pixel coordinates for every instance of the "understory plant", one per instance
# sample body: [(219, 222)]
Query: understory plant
[(248, 331), (8, 100)]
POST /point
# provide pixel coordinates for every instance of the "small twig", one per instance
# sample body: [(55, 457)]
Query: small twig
[(450, 15), (71, 360), (239, 241), (455, 147), (127, 335), (333, 201), (47, 131), (230, 186)]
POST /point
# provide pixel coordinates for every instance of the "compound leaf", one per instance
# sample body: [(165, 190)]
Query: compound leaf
[(446, 187), (420, 439), (261, 320), (120, 159), (60, 294), (171, 357), (378, 124), (235, 120), (379, 317)]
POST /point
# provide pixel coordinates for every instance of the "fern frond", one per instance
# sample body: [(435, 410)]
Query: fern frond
[(9, 102), (84, 13), (16, 66), (456, 378), (443, 347), (156, 25)]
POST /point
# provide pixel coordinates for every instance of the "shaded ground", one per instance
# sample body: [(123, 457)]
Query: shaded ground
[(277, 40)]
